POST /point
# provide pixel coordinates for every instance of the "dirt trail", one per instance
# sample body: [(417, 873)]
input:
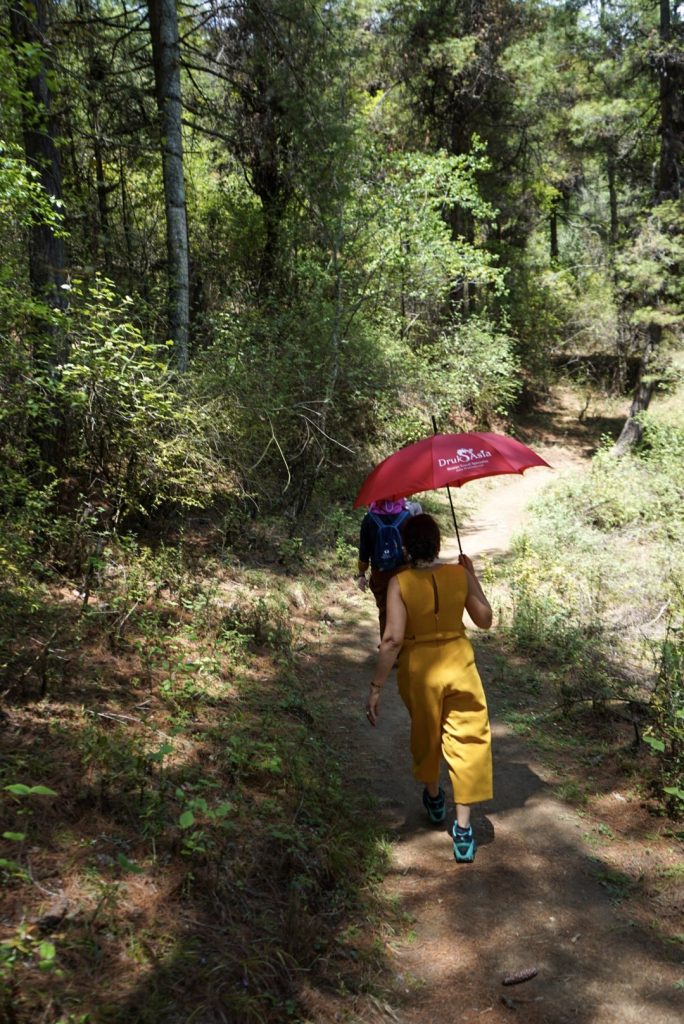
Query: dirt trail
[(533, 897)]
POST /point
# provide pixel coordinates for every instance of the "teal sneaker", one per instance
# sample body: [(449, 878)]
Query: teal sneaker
[(464, 844), (435, 806)]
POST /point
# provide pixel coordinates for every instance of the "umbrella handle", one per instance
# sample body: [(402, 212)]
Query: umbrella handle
[(453, 513)]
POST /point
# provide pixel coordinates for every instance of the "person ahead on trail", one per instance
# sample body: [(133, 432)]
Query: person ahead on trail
[(438, 679), (381, 548)]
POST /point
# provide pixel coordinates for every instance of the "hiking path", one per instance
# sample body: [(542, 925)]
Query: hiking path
[(535, 896)]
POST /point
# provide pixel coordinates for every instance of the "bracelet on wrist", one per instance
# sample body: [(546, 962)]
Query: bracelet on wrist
[(376, 686)]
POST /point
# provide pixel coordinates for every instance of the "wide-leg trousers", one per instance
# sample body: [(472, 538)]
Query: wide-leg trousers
[(442, 689)]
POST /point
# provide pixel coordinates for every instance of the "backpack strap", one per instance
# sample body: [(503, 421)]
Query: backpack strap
[(400, 517)]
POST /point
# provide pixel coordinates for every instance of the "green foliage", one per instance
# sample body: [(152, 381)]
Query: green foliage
[(26, 492), (617, 494), (662, 446), (12, 869), (23, 948), (539, 621), (198, 787), (649, 270), (392, 214), (136, 442), (471, 369), (202, 824), (667, 705), (25, 517), (21, 789), (579, 603), (412, 244), (23, 200), (354, 340)]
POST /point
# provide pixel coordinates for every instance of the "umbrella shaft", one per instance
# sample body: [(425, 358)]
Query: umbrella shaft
[(453, 516), (453, 513)]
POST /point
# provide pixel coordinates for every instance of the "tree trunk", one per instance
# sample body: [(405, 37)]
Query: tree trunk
[(28, 23), (553, 233), (102, 202), (613, 202), (125, 219), (166, 60), (461, 223), (670, 71), (632, 430), (100, 182)]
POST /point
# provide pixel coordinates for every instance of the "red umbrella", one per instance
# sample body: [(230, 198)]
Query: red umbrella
[(446, 460)]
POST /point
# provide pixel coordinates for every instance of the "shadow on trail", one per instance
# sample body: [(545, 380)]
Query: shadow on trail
[(514, 780), (534, 898), (549, 425), (514, 784)]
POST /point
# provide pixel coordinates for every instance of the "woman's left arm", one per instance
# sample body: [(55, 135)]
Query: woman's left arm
[(390, 645)]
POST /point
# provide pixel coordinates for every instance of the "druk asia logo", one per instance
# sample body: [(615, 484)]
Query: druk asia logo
[(465, 457)]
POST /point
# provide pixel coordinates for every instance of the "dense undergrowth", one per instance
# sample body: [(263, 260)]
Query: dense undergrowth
[(593, 596), (177, 841)]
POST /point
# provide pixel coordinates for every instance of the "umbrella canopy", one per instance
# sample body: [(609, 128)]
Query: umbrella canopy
[(446, 460)]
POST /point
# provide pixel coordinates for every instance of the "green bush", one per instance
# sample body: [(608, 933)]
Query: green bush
[(662, 445), (135, 439), (581, 601), (639, 491), (666, 736), (470, 372)]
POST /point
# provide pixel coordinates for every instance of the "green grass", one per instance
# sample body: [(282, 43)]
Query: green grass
[(572, 792), (588, 624)]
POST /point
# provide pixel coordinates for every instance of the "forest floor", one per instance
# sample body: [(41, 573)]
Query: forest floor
[(587, 893)]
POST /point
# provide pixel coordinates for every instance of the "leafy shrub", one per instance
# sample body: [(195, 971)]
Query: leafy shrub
[(666, 736), (540, 620), (471, 369), (580, 599), (634, 492), (339, 354), (135, 441), (662, 445), (538, 308), (25, 516), (23, 200), (26, 487)]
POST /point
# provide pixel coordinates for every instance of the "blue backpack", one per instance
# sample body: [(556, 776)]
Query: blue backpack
[(388, 551)]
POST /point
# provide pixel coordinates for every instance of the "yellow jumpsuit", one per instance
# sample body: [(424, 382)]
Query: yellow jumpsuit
[(440, 684)]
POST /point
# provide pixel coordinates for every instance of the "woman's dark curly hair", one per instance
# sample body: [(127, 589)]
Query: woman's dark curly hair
[(421, 538)]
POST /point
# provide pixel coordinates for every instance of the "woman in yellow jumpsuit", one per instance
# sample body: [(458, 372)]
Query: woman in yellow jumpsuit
[(437, 675)]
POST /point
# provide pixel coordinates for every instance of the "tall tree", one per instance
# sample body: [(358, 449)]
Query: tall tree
[(668, 62), (29, 23), (166, 59), (669, 65)]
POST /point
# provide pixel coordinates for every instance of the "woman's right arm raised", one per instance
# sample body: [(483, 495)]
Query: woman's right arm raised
[(477, 605)]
